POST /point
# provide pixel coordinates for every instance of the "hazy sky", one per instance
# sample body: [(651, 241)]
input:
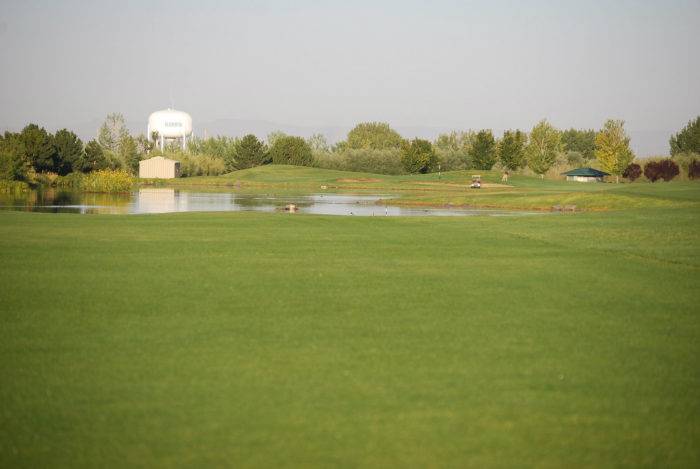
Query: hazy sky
[(461, 64)]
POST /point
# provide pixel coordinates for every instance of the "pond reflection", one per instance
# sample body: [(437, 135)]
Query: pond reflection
[(169, 200)]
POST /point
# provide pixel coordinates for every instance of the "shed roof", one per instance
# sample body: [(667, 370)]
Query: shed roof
[(590, 172), (159, 158)]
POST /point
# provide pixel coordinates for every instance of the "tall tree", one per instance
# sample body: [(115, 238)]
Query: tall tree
[(580, 141), (39, 147), (250, 152), (112, 132), (511, 149), (612, 148), (484, 150), (455, 141), (93, 158), (143, 145), (13, 157), (291, 150), (544, 147), (688, 139), (318, 143), (418, 156), (129, 153), (69, 151), (273, 136), (453, 149), (374, 136)]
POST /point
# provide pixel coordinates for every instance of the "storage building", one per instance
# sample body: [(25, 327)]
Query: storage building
[(159, 168)]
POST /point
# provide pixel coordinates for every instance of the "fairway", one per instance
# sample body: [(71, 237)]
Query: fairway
[(254, 340)]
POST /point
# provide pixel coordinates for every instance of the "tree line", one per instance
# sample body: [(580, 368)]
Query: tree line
[(368, 147), (35, 151)]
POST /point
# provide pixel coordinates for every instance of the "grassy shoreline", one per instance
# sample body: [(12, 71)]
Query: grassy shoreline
[(452, 189)]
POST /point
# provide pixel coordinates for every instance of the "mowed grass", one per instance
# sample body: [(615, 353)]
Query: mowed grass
[(275, 340), (452, 188)]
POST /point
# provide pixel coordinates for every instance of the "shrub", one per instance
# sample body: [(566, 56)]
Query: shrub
[(291, 150), (97, 181), (684, 159), (665, 169), (200, 165), (632, 172), (46, 179), (364, 161), (652, 170), (418, 156), (694, 170), (668, 169), (13, 187), (70, 180), (574, 158), (107, 181), (451, 160)]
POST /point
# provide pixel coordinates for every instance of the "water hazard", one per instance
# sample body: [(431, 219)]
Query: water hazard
[(168, 200)]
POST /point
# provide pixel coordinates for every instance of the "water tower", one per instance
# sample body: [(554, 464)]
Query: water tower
[(169, 125)]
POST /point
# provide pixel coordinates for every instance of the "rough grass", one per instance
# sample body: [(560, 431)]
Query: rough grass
[(257, 340)]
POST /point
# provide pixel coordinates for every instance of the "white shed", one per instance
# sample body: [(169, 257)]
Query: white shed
[(159, 168)]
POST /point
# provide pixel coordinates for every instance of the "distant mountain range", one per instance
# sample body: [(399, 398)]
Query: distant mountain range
[(644, 142)]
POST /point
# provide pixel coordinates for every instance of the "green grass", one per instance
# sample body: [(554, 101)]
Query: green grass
[(522, 192), (274, 340)]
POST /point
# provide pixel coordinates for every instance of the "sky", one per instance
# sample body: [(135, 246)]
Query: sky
[(444, 64)]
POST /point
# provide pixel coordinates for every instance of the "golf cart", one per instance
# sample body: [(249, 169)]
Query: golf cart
[(476, 182)]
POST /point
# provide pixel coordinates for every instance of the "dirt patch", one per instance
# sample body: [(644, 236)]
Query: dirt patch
[(359, 180), (452, 184), (493, 185)]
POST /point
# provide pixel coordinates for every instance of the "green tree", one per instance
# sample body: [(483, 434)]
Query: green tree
[(418, 156), (39, 147), (219, 147), (143, 145), (511, 149), (13, 157), (612, 148), (688, 139), (129, 154), (453, 149), (484, 150), (93, 158), (69, 151), (273, 136), (455, 141), (374, 136), (543, 148), (250, 152), (291, 150), (112, 132), (580, 141), (318, 143)]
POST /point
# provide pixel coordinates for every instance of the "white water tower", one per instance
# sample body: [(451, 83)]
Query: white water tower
[(170, 125)]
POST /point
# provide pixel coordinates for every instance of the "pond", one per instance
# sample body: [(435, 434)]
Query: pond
[(168, 200)]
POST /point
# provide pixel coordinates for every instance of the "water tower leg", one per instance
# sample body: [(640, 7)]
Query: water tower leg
[(162, 143)]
